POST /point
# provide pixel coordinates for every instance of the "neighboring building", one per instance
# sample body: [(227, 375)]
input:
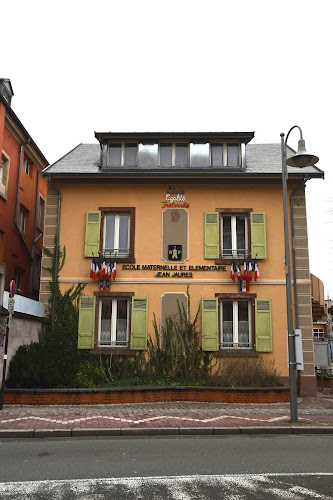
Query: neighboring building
[(22, 199), (175, 210), (319, 312)]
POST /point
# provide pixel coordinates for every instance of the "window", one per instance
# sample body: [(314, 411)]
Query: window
[(117, 234), (123, 155), (318, 333), (225, 155), (235, 233), (41, 213), (174, 155), (235, 323), (18, 280), (22, 219), (26, 166), (4, 173), (228, 322), (114, 320)]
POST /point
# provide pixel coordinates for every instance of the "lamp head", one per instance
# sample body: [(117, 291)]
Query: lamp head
[(302, 159)]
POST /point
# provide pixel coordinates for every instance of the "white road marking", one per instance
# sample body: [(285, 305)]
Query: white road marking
[(176, 487)]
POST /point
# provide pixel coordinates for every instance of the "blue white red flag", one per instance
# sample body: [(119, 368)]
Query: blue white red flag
[(256, 270), (232, 270), (108, 274), (104, 269), (114, 270), (239, 273), (250, 269), (244, 269), (93, 269), (98, 269)]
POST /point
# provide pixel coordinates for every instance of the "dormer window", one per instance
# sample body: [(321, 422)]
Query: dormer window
[(225, 155), (123, 155), (174, 155)]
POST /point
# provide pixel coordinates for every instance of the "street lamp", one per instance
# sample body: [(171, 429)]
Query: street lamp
[(301, 159)]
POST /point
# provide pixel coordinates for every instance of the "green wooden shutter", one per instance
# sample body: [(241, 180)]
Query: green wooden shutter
[(263, 308), (210, 328), (139, 323), (258, 235), (86, 322), (212, 235), (93, 225)]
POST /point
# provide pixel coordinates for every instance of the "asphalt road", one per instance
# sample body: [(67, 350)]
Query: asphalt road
[(234, 467)]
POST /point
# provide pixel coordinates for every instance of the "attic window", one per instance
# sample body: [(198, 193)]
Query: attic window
[(225, 155), (123, 155)]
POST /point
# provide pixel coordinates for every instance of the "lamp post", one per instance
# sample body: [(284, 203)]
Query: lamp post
[(300, 159)]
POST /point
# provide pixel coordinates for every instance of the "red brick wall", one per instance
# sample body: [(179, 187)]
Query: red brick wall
[(109, 396)]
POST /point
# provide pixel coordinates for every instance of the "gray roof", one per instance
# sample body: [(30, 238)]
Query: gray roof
[(261, 159)]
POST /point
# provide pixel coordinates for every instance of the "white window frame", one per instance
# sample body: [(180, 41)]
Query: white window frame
[(114, 253), (241, 153), (114, 305), (173, 154), (122, 154), (235, 303), (318, 333), (234, 250)]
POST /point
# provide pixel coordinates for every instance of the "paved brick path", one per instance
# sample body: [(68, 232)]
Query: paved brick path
[(316, 412)]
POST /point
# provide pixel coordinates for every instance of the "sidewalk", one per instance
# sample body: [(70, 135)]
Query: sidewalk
[(180, 418)]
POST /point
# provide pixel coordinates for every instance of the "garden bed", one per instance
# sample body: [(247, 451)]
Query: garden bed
[(145, 395)]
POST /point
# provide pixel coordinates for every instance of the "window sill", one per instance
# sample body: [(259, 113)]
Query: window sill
[(236, 353), (3, 195), (121, 351)]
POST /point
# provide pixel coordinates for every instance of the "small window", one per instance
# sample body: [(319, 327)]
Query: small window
[(113, 323), (22, 219), (318, 333), (174, 155), (123, 155), (225, 155), (41, 213), (26, 166), (18, 280), (235, 323), (4, 173)]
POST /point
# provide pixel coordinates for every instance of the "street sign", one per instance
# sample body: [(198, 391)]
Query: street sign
[(11, 304), (12, 288)]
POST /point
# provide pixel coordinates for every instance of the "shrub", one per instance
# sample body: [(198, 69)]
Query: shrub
[(247, 372)]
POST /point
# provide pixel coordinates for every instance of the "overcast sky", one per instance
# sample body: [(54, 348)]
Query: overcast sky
[(81, 66)]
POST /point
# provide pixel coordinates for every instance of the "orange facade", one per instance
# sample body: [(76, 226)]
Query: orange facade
[(22, 202)]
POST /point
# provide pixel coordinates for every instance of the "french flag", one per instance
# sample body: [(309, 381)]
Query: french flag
[(250, 269), (93, 269), (98, 269), (114, 270), (256, 270), (244, 270), (239, 273), (104, 269), (232, 270), (108, 273)]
